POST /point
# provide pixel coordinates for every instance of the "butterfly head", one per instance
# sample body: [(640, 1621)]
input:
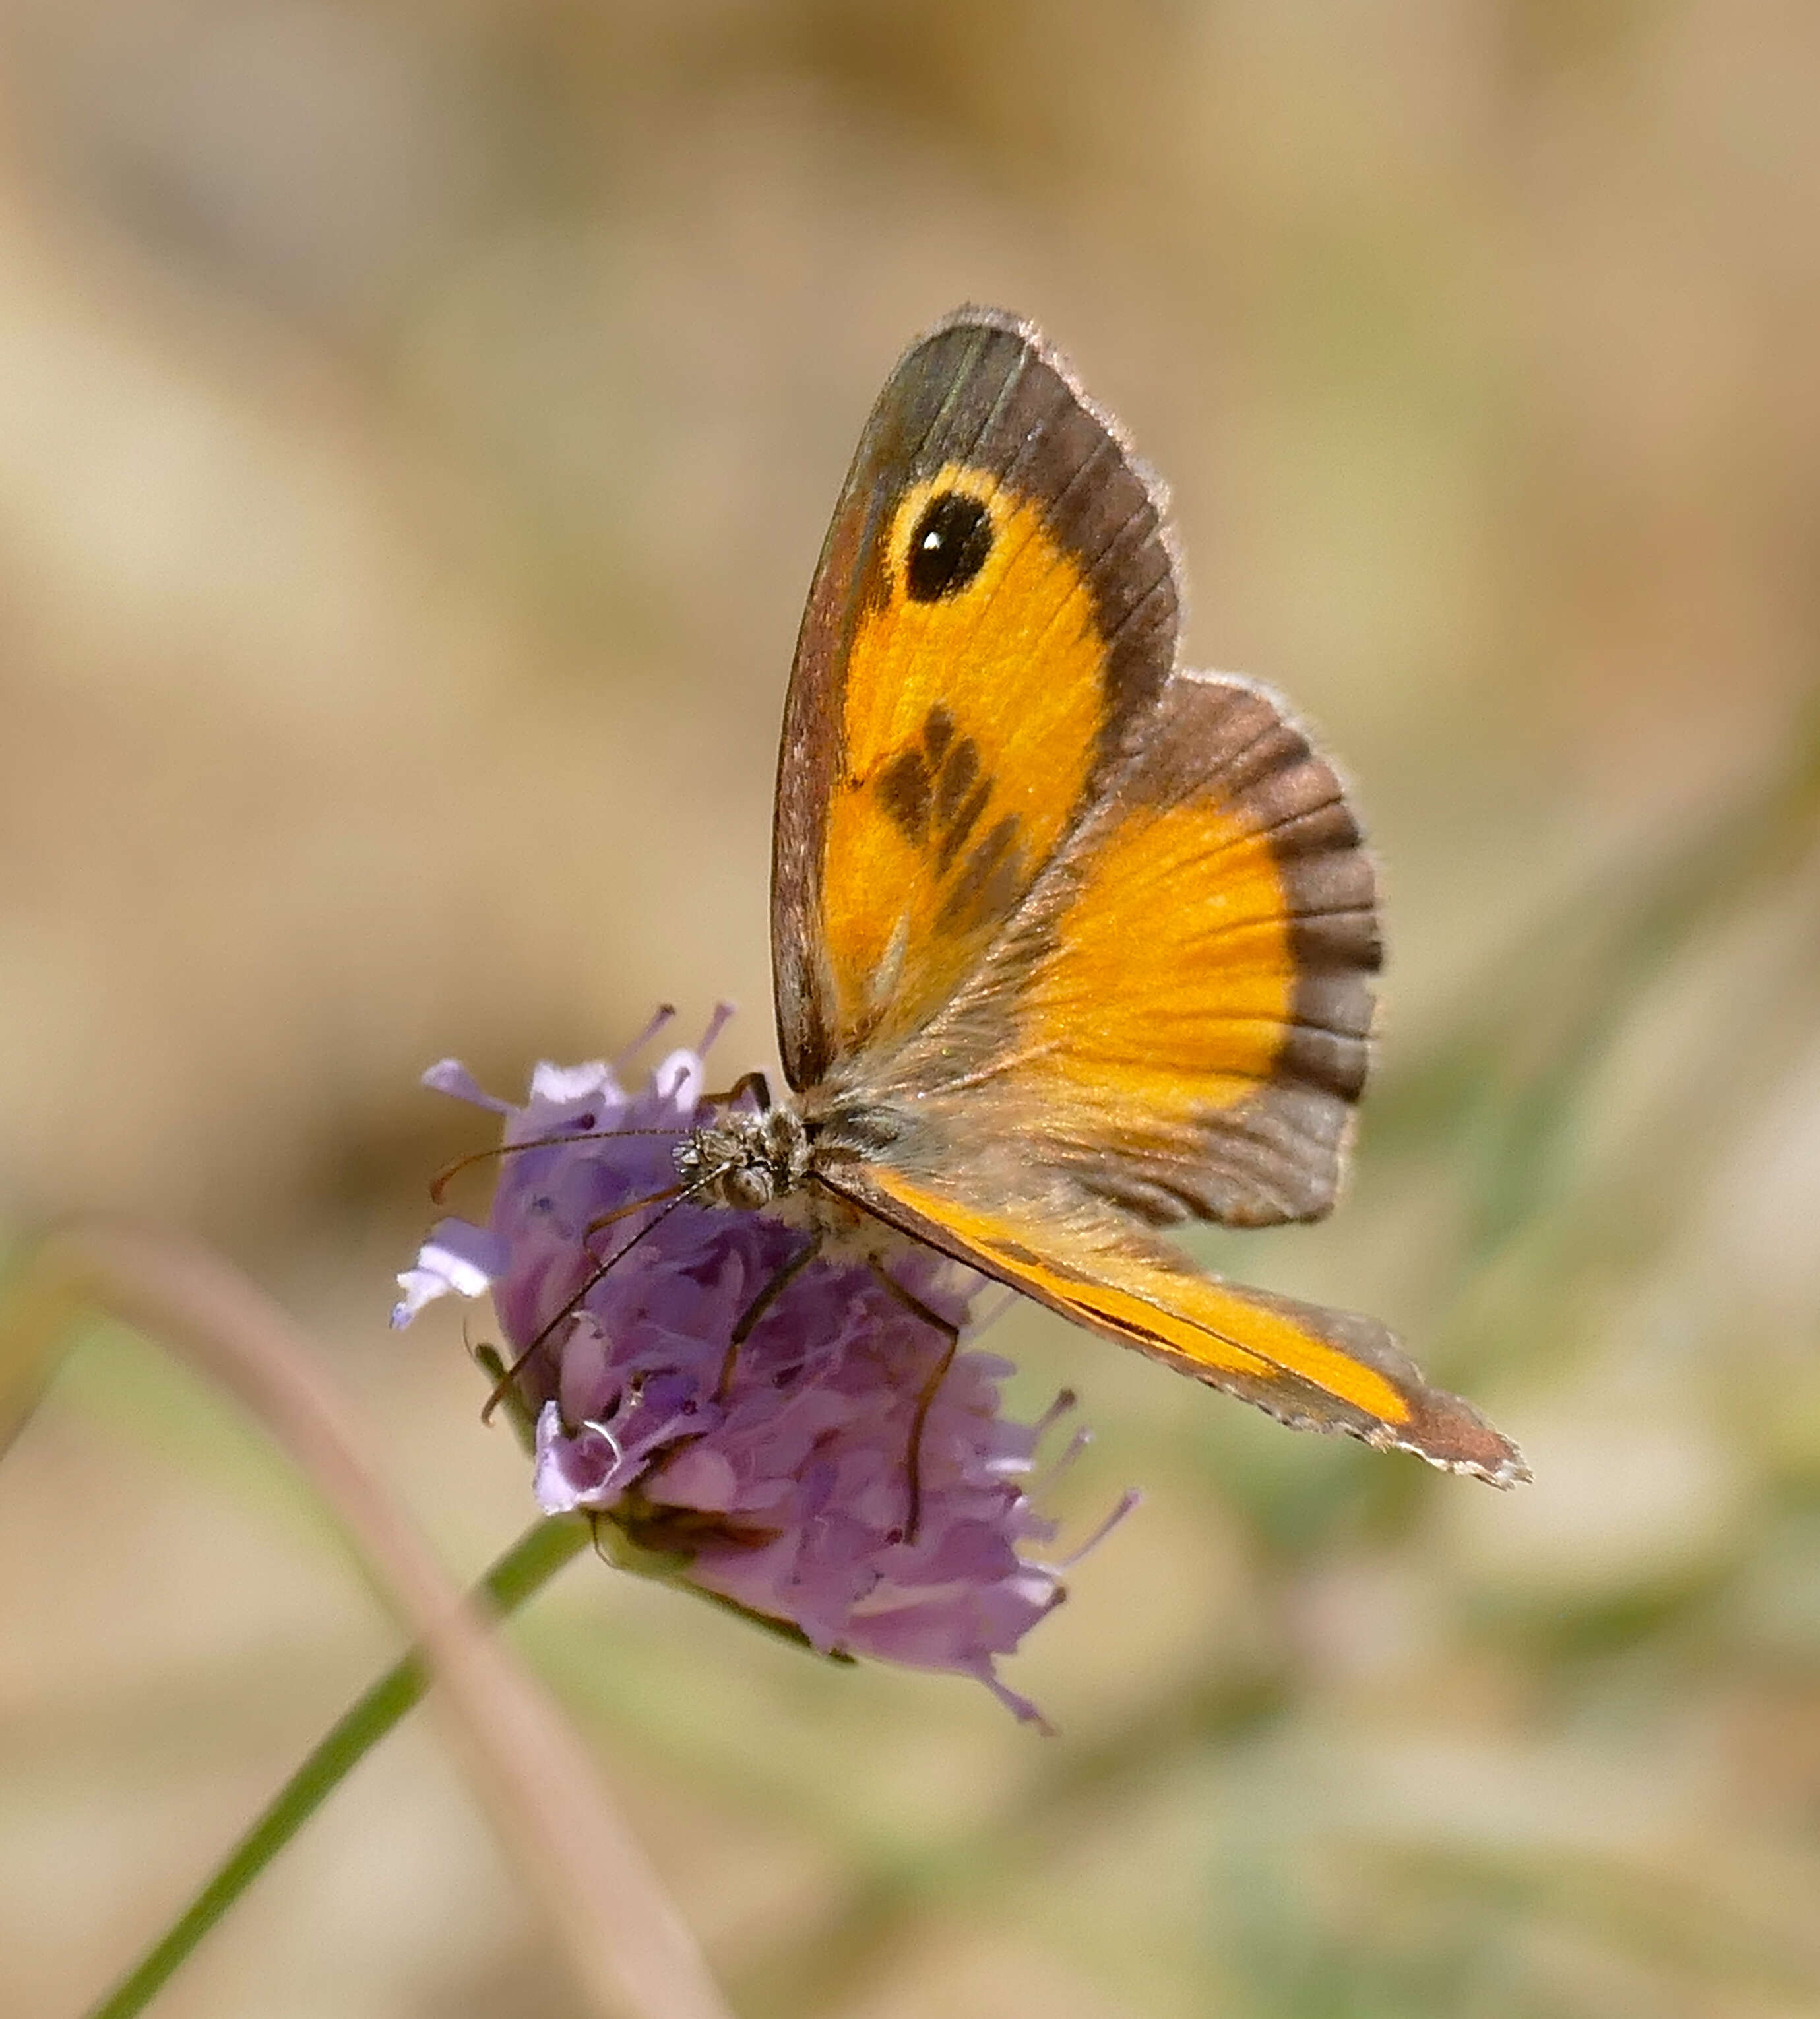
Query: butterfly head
[(745, 1158)]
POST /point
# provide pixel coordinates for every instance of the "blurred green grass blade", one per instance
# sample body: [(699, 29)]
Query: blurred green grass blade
[(626, 1943), (541, 1552)]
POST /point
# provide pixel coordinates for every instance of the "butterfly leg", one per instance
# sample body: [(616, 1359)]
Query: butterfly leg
[(776, 1284), (951, 1335), (670, 1197), (753, 1083)]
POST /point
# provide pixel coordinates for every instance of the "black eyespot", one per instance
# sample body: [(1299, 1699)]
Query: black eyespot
[(949, 547)]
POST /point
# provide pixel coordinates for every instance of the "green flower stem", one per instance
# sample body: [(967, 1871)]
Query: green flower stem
[(531, 1561)]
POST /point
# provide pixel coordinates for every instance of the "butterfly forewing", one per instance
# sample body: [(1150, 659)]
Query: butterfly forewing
[(1314, 1369), (996, 604)]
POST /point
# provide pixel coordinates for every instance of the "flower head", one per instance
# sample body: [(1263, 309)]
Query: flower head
[(840, 1468)]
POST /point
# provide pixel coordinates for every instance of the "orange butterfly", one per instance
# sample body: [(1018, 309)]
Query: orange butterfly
[(1069, 942)]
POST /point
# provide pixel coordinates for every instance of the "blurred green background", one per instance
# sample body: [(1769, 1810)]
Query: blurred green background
[(417, 423)]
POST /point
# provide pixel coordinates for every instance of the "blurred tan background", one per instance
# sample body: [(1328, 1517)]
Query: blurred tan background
[(417, 427)]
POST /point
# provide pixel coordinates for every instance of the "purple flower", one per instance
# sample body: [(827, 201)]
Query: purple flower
[(780, 1470)]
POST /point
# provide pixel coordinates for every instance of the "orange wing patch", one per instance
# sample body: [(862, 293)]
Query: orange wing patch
[(1178, 1020), (1174, 975), (1313, 1368), (972, 718)]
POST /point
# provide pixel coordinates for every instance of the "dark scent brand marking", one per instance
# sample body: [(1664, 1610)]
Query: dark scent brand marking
[(956, 778), (954, 832), (935, 785), (960, 793), (903, 785), (949, 547), (988, 883)]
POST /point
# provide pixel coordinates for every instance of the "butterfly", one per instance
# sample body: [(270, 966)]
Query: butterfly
[(1069, 943)]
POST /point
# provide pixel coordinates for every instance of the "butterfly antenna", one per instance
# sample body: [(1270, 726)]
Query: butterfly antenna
[(450, 1172), (677, 1195)]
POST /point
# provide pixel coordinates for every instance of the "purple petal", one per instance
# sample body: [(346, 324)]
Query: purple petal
[(458, 1257), (450, 1076)]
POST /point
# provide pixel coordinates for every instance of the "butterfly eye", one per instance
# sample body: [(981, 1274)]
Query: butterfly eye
[(949, 547)]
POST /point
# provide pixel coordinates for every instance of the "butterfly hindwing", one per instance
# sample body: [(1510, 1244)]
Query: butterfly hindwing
[(996, 603), (1313, 1368), (1177, 1019)]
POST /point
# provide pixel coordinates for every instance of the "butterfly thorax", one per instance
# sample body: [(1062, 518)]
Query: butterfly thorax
[(745, 1160), (751, 1158)]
